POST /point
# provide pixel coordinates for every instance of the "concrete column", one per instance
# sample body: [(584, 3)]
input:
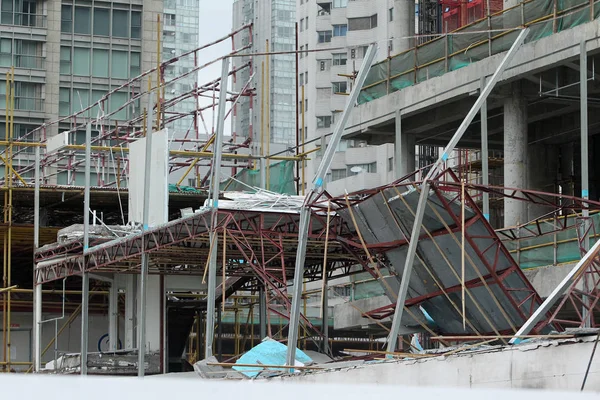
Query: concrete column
[(404, 150), (515, 153), (403, 25)]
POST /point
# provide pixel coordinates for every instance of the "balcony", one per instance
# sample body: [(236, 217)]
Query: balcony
[(23, 19)]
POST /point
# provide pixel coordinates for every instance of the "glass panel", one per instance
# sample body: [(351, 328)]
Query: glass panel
[(116, 101), (100, 63), (96, 96), (64, 102), (120, 27), (81, 61), (65, 60), (66, 16), (136, 24), (81, 99), (135, 65), (119, 65), (101, 21), (82, 20), (5, 52)]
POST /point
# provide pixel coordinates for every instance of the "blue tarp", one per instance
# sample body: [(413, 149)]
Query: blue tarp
[(268, 352)]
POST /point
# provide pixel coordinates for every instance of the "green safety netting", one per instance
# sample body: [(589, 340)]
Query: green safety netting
[(281, 179), (473, 43)]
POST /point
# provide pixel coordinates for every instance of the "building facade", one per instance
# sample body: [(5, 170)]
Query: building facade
[(325, 76), (66, 55), (271, 119)]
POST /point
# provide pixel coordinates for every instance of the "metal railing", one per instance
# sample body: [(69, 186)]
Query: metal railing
[(23, 19), (474, 42)]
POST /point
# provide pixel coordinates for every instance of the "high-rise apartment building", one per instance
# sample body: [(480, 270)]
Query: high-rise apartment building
[(274, 103), (68, 54), (348, 27), (180, 35)]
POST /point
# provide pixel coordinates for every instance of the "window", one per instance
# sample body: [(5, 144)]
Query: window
[(340, 30), (306, 26), (81, 61), (324, 9), (66, 19), (136, 25), (136, 65), (340, 58), (306, 78), (301, 51), (362, 23), (5, 52), (65, 60), (306, 104), (337, 174), (119, 65), (100, 63), (301, 24), (324, 122), (191, 182), (169, 19), (102, 21), (340, 3), (390, 164), (81, 99), (391, 14), (301, 79), (64, 102), (120, 23), (339, 87), (372, 168), (324, 36), (82, 20), (363, 51)]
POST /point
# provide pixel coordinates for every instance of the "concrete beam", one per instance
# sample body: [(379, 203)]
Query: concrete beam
[(535, 57)]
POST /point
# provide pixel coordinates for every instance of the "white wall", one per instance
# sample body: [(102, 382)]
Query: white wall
[(549, 366)]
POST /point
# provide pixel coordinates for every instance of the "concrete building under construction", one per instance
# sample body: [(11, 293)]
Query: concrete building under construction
[(472, 261)]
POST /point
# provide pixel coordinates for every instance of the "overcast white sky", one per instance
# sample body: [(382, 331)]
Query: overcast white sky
[(215, 22)]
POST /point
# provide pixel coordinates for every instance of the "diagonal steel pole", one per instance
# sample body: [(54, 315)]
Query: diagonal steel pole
[(318, 187), (416, 229), (557, 293), (214, 203)]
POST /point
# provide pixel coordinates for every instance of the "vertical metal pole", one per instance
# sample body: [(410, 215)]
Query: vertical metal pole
[(398, 147), (416, 229), (220, 334), (113, 294), (37, 294), (484, 154), (585, 193), (214, 203), (306, 211), (130, 286), (141, 328), (263, 173), (262, 312), (325, 322), (85, 286)]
